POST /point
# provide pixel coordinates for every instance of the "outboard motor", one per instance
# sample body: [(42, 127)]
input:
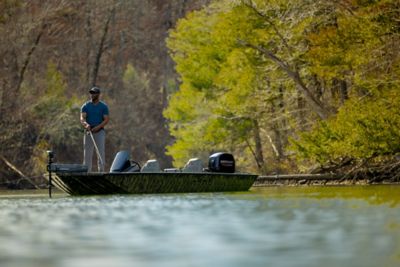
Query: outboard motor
[(221, 162), (122, 163)]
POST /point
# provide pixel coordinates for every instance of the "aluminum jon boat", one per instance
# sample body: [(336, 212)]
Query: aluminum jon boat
[(127, 177)]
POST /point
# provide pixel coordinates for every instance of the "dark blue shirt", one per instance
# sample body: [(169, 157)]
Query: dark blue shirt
[(94, 112)]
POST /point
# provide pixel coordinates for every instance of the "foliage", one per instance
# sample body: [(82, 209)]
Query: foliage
[(242, 89), (129, 115), (88, 41), (364, 128), (247, 66), (367, 125), (57, 119), (213, 109)]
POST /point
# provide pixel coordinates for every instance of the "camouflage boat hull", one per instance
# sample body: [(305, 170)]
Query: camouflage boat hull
[(151, 183)]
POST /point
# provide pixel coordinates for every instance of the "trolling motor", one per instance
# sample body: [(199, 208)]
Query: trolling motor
[(50, 156)]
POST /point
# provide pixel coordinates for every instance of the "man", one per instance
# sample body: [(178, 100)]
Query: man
[(94, 116)]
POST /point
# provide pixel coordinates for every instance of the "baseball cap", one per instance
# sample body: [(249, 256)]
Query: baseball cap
[(94, 90)]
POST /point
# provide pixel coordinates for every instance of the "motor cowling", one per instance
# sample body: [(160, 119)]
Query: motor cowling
[(221, 162)]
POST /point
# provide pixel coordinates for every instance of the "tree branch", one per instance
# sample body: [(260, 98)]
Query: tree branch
[(250, 4), (15, 169), (295, 76)]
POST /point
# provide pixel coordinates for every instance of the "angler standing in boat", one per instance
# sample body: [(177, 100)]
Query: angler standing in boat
[(94, 116)]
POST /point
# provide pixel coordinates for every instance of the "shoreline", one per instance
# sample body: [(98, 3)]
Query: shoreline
[(318, 180)]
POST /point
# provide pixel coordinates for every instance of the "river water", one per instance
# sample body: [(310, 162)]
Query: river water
[(278, 226)]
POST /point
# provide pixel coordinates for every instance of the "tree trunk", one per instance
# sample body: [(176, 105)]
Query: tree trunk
[(89, 40), (279, 124), (340, 90), (343, 91), (10, 93), (29, 55), (101, 49), (11, 89), (301, 113), (258, 143)]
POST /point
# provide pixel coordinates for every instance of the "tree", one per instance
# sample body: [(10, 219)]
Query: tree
[(360, 50), (258, 61), (222, 76)]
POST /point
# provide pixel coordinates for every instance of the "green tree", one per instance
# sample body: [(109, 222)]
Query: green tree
[(358, 49), (222, 98), (251, 65)]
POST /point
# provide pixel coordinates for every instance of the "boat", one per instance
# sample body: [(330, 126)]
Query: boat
[(127, 177)]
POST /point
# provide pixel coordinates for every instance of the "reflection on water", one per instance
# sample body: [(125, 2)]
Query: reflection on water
[(280, 226)]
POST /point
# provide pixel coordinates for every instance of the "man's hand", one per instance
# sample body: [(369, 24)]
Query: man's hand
[(86, 126), (96, 129)]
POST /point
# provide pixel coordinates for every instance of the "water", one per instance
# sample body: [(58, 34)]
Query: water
[(306, 226)]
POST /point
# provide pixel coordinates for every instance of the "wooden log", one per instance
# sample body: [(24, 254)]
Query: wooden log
[(322, 176), (17, 171), (298, 179)]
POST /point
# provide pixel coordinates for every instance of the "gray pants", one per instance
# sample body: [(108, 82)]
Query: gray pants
[(88, 148)]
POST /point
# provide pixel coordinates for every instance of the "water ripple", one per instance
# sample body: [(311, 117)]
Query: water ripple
[(270, 227)]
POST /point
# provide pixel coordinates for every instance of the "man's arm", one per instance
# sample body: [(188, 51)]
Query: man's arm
[(84, 122), (106, 119)]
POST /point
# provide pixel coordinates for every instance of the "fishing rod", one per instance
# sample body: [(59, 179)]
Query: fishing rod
[(96, 148)]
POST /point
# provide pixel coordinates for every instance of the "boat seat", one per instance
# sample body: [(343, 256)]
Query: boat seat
[(193, 165), (151, 166), (59, 167)]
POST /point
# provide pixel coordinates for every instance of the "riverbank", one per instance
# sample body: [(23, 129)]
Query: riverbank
[(319, 179)]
